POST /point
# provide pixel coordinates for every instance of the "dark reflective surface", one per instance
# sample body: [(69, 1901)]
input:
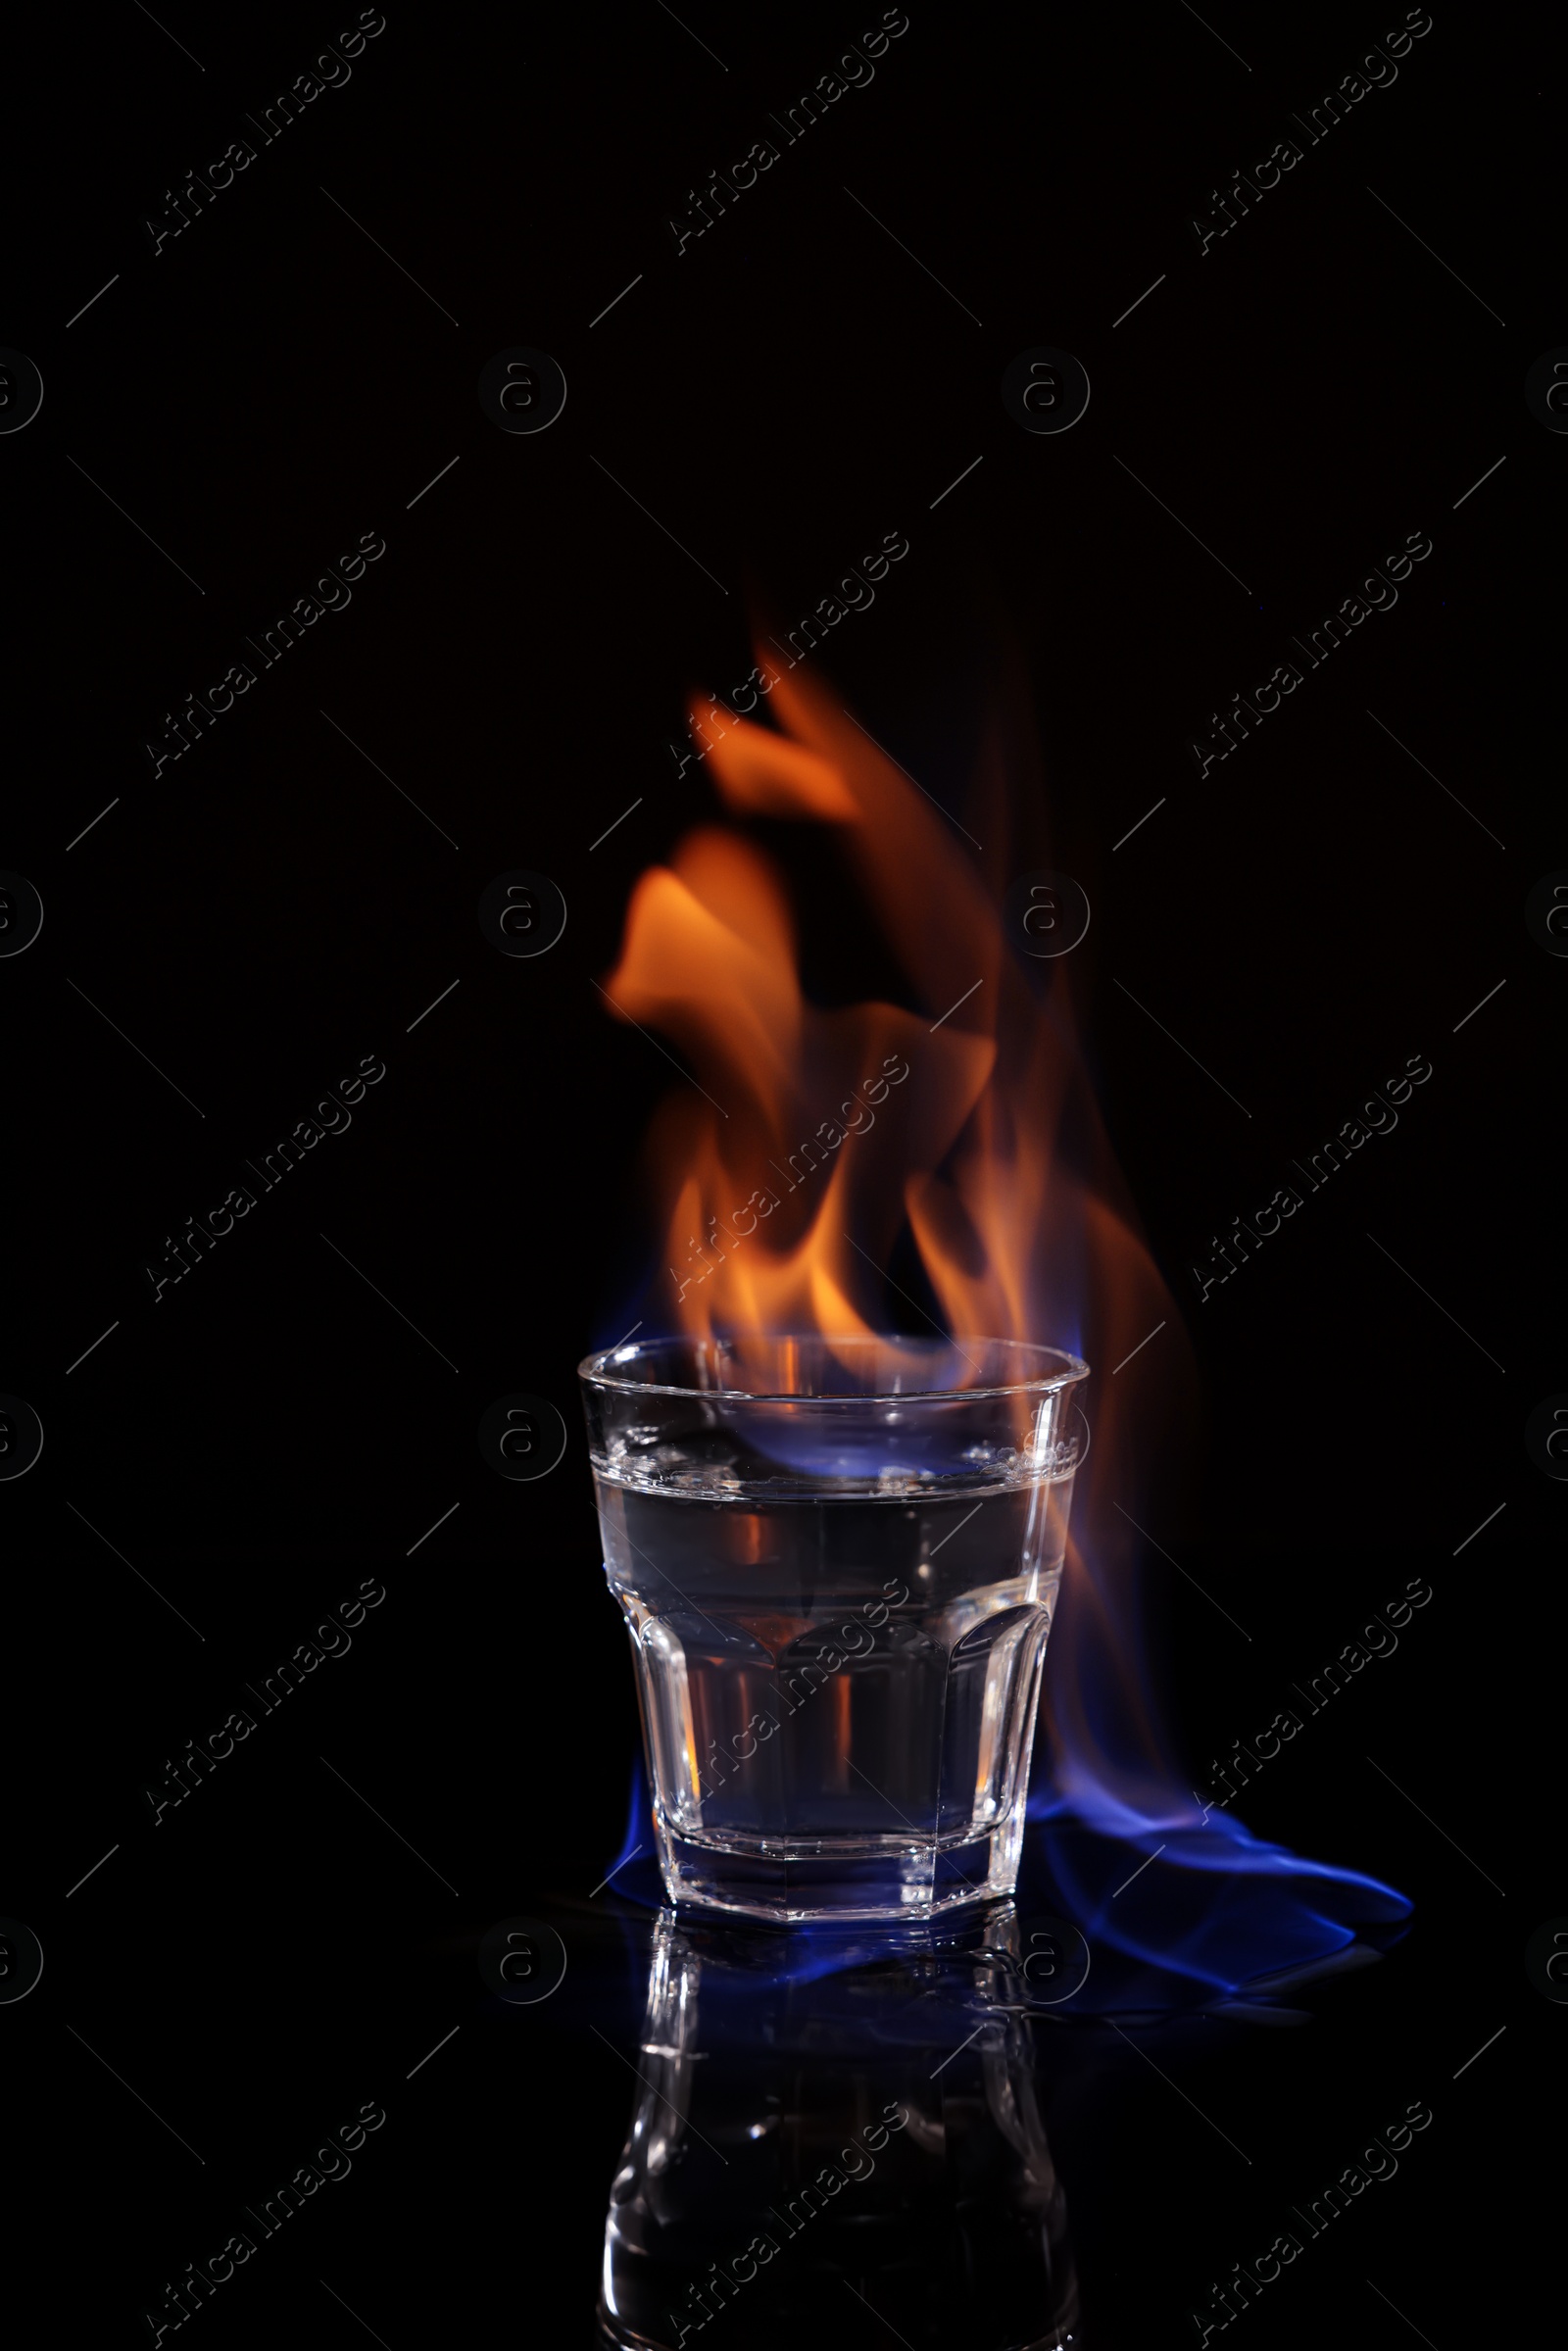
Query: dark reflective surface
[(854, 2155)]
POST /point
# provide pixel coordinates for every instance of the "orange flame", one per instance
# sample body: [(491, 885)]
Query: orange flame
[(815, 1136), (791, 1174), (819, 1133)]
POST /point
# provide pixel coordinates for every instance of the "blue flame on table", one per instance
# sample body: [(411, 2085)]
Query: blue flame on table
[(1181, 1911), (1196, 1898)]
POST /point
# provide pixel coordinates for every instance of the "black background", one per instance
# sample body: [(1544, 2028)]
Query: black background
[(268, 909)]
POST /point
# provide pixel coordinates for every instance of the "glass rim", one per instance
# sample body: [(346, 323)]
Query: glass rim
[(593, 1371)]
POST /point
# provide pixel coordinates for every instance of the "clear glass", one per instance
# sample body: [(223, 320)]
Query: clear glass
[(837, 1561)]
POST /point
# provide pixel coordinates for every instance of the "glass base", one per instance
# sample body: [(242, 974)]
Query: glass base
[(839, 1878)]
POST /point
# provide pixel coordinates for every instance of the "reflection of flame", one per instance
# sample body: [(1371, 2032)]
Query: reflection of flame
[(818, 1138)]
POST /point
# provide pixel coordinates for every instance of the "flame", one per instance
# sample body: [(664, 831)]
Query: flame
[(816, 1137), (781, 1206), (798, 1143)]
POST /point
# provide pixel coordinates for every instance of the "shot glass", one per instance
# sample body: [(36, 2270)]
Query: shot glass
[(837, 1559)]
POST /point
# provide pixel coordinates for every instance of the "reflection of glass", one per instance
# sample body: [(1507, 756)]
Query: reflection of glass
[(807, 2158), (837, 1561)]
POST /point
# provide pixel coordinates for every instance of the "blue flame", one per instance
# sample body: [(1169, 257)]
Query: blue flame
[(1189, 1908), (1196, 1896), (638, 1841)]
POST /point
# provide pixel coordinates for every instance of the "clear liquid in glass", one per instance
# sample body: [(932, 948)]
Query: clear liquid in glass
[(838, 1691)]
